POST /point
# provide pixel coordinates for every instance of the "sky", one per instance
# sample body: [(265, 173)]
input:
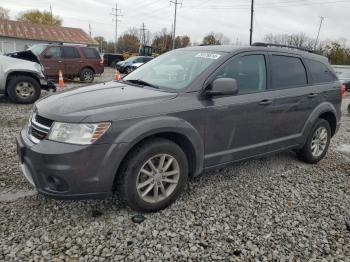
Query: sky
[(197, 18)]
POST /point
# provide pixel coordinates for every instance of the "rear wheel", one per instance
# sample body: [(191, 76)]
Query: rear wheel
[(87, 75), (154, 175), (317, 143), (23, 89)]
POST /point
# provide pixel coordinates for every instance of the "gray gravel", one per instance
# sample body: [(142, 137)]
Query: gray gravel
[(275, 208)]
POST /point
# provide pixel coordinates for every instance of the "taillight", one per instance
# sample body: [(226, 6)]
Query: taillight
[(343, 90)]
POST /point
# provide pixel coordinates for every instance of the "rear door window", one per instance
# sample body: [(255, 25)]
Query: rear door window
[(70, 52), (287, 72), (90, 52), (319, 72)]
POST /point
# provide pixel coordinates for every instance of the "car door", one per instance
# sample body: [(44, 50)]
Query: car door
[(52, 60), (71, 60), (238, 126), (294, 99)]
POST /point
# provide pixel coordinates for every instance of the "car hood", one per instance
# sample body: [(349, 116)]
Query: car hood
[(25, 55), (77, 105)]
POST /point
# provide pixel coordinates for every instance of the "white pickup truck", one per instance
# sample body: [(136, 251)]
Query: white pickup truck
[(22, 77)]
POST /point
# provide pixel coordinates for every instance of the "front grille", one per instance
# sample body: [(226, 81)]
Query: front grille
[(39, 128), (44, 121)]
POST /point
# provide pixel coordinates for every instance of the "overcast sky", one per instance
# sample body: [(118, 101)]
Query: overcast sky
[(199, 17)]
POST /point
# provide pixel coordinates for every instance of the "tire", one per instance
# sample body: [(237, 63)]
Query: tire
[(312, 156), (87, 75), (23, 89), (349, 108), (133, 183)]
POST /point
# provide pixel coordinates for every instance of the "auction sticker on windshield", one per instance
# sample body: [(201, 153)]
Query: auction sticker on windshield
[(208, 55)]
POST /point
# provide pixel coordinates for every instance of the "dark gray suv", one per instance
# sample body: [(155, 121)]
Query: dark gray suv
[(186, 111)]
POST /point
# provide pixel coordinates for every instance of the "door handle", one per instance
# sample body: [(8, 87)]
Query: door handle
[(312, 95), (266, 102), (59, 61)]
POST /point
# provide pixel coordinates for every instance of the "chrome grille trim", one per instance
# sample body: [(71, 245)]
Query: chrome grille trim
[(35, 128)]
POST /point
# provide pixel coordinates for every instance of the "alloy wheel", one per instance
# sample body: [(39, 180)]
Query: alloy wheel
[(158, 178), (319, 141)]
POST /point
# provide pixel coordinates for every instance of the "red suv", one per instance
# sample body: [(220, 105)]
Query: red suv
[(73, 60)]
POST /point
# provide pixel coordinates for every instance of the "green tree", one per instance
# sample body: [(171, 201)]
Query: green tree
[(182, 41), (128, 43), (337, 54), (4, 13), (162, 42), (211, 39), (102, 43), (38, 17)]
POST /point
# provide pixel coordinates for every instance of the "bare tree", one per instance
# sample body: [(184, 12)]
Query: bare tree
[(4, 13)]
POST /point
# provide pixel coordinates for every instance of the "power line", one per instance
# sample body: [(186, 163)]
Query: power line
[(116, 15), (176, 3)]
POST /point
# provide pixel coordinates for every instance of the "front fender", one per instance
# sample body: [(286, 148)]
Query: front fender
[(135, 133), (164, 124)]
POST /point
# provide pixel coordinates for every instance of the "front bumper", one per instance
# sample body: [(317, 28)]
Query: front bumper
[(66, 171), (47, 84)]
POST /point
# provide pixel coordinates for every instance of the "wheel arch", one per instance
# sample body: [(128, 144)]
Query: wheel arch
[(14, 74), (324, 111), (178, 131), (87, 67)]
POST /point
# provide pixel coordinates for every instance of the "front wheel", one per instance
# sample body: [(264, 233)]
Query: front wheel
[(154, 175), (317, 143), (23, 89)]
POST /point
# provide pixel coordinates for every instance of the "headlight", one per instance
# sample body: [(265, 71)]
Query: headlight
[(80, 134), (39, 67)]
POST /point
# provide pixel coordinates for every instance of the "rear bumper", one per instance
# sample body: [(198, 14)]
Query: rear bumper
[(65, 171)]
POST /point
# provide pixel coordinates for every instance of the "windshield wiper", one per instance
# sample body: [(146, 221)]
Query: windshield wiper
[(141, 82)]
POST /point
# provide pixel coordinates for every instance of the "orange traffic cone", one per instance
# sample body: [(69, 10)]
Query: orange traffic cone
[(60, 79), (117, 75)]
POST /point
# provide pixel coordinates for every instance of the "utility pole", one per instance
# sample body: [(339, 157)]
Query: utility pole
[(116, 15), (251, 23), (176, 3), (90, 30), (319, 30), (51, 14), (143, 34)]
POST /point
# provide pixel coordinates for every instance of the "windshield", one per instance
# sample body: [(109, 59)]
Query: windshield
[(174, 70), (37, 49)]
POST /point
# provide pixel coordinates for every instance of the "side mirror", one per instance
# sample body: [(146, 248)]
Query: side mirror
[(47, 55), (223, 87)]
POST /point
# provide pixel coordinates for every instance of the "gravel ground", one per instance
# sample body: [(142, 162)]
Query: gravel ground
[(275, 208)]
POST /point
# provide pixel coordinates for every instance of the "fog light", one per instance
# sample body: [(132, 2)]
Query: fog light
[(57, 184)]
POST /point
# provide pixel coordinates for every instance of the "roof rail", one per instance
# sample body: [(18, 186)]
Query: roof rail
[(284, 46)]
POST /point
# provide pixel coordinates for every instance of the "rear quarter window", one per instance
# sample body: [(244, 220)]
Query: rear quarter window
[(287, 72), (320, 73), (90, 52)]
